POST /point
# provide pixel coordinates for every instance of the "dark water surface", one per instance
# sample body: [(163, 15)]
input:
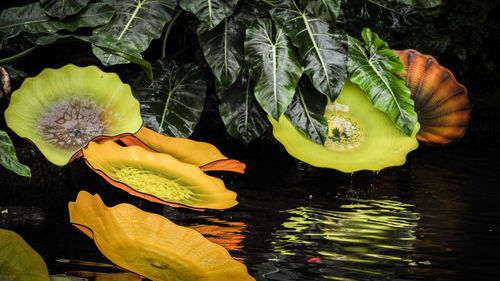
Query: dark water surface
[(436, 218)]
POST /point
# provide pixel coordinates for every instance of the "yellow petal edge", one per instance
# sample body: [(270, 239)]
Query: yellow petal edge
[(151, 245), (143, 173), (380, 143), (185, 150), (30, 102)]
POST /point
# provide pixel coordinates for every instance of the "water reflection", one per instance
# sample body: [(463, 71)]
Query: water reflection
[(228, 234), (357, 239)]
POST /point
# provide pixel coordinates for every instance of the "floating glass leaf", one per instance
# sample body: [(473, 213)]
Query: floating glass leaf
[(360, 137), (151, 245), (157, 177), (61, 110)]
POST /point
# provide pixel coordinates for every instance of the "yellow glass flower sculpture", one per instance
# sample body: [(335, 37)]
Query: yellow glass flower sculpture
[(360, 137), (61, 110), (441, 103), (151, 245), (18, 261), (201, 154), (157, 177)]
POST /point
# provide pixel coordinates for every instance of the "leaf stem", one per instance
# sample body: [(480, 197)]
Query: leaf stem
[(164, 46), (15, 57)]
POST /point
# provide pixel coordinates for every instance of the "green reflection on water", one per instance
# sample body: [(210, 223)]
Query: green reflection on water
[(360, 232)]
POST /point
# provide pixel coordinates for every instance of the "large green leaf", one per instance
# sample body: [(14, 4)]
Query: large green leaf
[(223, 46), (111, 46), (322, 49), (242, 115), (32, 18), (63, 8), (327, 10), (373, 66), (135, 24), (8, 156), (421, 3), (273, 65), (307, 113), (173, 103), (209, 12)]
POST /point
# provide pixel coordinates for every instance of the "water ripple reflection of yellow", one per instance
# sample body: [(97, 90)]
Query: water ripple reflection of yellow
[(359, 235)]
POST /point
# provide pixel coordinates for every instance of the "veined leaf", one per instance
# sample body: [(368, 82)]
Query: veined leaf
[(135, 24), (242, 115), (307, 113), (62, 8), (421, 3), (209, 12), (173, 103), (8, 156), (373, 66), (327, 10), (223, 46), (323, 51), (32, 18), (95, 14), (111, 46), (273, 65)]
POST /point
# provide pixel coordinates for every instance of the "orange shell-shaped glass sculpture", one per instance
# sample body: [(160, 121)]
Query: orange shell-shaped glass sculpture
[(441, 102), (157, 177), (151, 245)]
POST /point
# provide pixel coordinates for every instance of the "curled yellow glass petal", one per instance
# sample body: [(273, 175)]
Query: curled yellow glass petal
[(18, 261), (201, 154), (61, 110), (151, 245), (360, 137), (157, 177)]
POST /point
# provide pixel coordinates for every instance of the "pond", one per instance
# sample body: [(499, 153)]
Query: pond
[(435, 218)]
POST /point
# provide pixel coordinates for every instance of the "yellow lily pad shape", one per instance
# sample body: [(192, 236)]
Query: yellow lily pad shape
[(157, 177), (201, 154), (151, 245), (61, 110), (360, 137), (18, 261)]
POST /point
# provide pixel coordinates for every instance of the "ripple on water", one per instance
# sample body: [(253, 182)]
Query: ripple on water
[(360, 240)]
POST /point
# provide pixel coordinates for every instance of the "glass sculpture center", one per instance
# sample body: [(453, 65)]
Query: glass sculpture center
[(71, 123), (149, 182), (343, 134)]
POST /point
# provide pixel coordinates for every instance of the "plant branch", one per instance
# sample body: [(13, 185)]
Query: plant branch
[(164, 46), (15, 57)]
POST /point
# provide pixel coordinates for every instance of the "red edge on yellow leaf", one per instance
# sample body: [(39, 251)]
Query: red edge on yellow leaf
[(230, 165)]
